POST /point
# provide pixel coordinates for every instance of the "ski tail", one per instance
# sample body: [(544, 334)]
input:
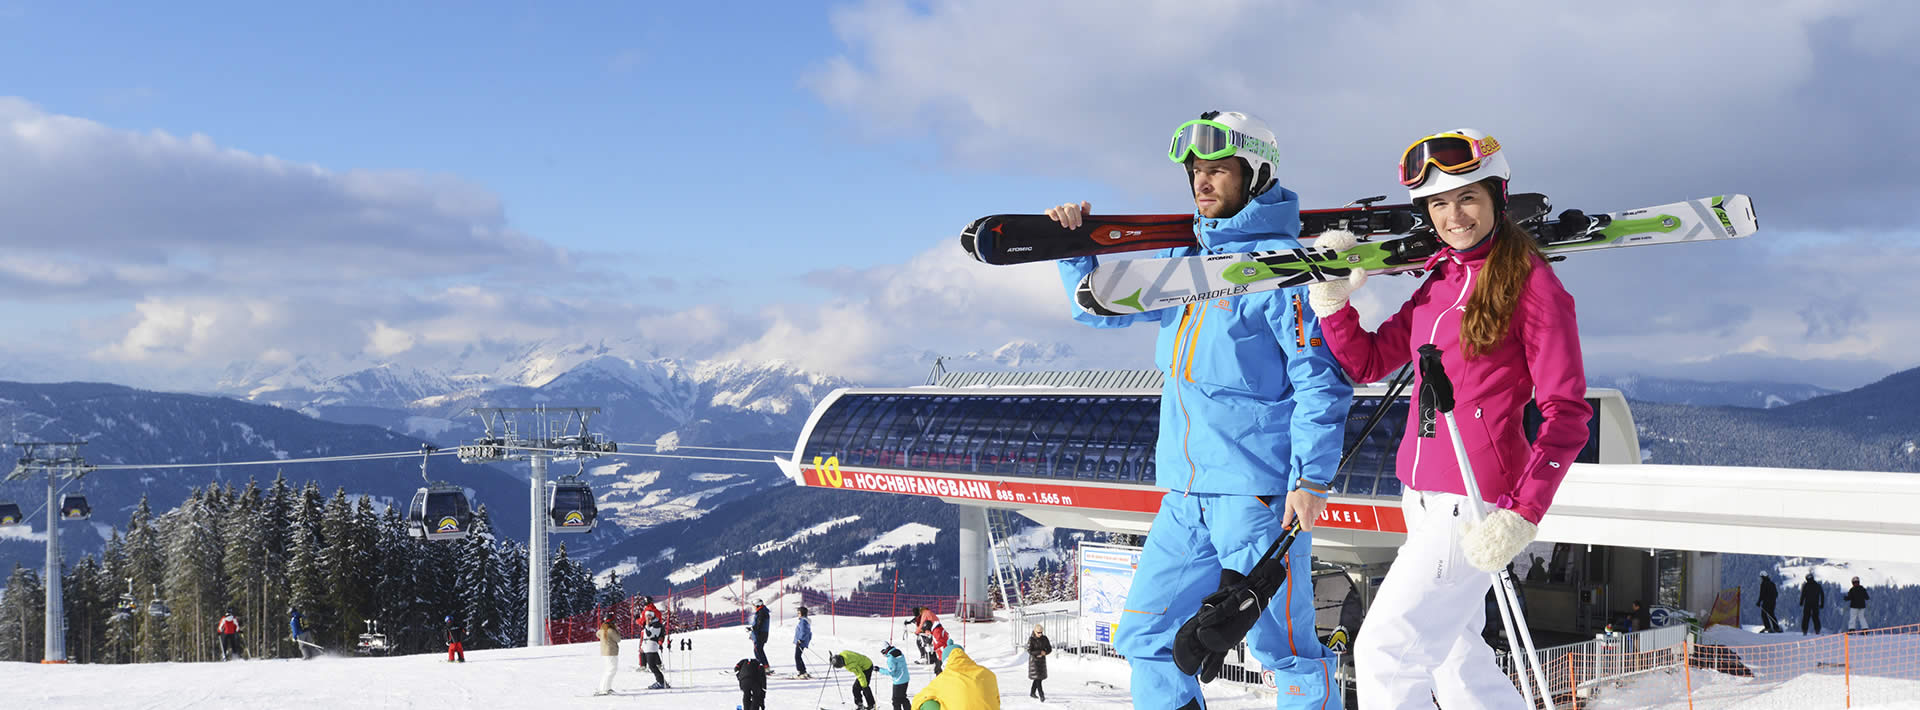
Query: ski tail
[(1004, 239)]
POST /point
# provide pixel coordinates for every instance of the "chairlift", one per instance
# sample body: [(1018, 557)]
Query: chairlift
[(128, 605), (440, 510), (10, 514), (570, 507), (73, 506)]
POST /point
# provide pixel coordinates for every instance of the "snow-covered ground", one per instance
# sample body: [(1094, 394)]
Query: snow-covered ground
[(565, 677)]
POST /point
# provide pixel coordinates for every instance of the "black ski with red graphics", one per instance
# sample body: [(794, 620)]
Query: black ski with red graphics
[(1023, 238)]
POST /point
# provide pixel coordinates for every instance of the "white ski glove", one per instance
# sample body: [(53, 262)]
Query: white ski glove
[(1328, 297), (1493, 542)]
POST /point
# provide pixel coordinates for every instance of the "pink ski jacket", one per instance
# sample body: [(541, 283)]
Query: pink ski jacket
[(1539, 359)]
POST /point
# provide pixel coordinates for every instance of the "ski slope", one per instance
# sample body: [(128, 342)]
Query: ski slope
[(566, 676)]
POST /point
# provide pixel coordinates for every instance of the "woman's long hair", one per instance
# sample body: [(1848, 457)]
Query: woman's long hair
[(1490, 308)]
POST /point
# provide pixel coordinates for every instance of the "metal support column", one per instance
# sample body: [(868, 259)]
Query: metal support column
[(537, 554), (56, 610), (973, 562)]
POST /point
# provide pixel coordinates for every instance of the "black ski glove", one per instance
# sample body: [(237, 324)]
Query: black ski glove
[(1226, 615)]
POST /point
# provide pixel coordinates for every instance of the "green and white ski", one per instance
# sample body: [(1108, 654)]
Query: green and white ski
[(1139, 285)]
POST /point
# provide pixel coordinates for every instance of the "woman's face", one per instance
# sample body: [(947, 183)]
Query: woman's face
[(1462, 216)]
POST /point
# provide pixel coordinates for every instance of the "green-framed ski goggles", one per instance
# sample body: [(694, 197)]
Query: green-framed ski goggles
[(1212, 140)]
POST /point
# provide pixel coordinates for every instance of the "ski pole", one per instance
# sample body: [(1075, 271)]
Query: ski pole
[(1436, 391)]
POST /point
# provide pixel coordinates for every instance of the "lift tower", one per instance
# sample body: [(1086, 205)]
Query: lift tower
[(58, 460), (536, 435)]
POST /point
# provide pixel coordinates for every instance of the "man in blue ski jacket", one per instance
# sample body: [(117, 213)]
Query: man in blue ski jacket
[(1252, 417), (802, 635)]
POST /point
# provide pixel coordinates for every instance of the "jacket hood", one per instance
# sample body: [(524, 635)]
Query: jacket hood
[(1272, 216)]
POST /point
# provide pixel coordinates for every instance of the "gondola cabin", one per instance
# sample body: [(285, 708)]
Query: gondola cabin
[(440, 512), (10, 514), (570, 508), (74, 507)]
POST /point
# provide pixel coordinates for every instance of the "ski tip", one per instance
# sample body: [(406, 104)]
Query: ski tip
[(969, 238), (1736, 214)]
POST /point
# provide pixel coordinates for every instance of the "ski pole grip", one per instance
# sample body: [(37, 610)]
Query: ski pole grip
[(1435, 389)]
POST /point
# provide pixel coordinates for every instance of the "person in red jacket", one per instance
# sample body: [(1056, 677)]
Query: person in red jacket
[(647, 614), (939, 643), (229, 636), (1506, 328), (456, 641)]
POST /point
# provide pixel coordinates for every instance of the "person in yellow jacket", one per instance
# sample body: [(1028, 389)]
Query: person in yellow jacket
[(964, 685)]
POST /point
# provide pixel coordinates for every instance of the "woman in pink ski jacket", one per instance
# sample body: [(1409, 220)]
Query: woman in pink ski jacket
[(1507, 329)]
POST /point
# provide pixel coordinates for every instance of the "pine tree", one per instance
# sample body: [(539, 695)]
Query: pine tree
[(513, 566), (22, 618), (192, 580), (394, 592), (306, 573), (86, 611), (343, 565), (481, 584), (244, 563), (146, 562), (123, 627)]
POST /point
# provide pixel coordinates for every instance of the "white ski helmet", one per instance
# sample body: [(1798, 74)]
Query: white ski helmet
[(1221, 134), (1453, 159)]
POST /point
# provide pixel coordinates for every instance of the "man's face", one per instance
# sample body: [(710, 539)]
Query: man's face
[(1219, 187)]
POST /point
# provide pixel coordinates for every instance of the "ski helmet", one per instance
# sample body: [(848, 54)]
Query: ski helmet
[(1453, 159), (1221, 134)]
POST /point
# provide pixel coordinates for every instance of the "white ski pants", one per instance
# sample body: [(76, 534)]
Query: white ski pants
[(1420, 640), (1856, 619), (606, 679)]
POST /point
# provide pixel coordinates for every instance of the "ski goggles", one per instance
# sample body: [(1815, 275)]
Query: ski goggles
[(1450, 153), (1212, 140)]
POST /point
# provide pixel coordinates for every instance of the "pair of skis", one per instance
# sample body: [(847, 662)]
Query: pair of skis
[(1003, 239), (1122, 287)]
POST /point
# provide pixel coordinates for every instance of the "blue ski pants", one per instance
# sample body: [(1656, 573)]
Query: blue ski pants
[(1194, 536)]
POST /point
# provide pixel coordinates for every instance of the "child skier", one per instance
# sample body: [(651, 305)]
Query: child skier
[(753, 684), (650, 640)]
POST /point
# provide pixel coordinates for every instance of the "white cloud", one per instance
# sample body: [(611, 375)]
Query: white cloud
[(386, 341), (1605, 106)]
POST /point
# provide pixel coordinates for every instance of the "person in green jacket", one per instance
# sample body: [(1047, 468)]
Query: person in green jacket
[(861, 668)]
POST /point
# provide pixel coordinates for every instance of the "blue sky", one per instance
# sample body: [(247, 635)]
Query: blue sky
[(208, 184)]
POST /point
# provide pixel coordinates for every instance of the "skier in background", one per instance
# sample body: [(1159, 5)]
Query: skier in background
[(229, 636), (456, 635), (752, 675), (1857, 606), (297, 628), (1812, 600), (1507, 332), (647, 611), (896, 672), (652, 637), (759, 630), (802, 635), (937, 643), (861, 668), (609, 652), (1769, 595), (1252, 418)]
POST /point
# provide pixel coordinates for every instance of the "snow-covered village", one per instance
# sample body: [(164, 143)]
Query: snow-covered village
[(960, 355)]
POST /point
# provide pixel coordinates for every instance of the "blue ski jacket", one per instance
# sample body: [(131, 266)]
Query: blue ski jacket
[(294, 624), (803, 632), (896, 665), (1253, 402)]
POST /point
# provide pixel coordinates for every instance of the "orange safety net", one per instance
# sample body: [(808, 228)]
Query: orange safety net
[(1859, 668)]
